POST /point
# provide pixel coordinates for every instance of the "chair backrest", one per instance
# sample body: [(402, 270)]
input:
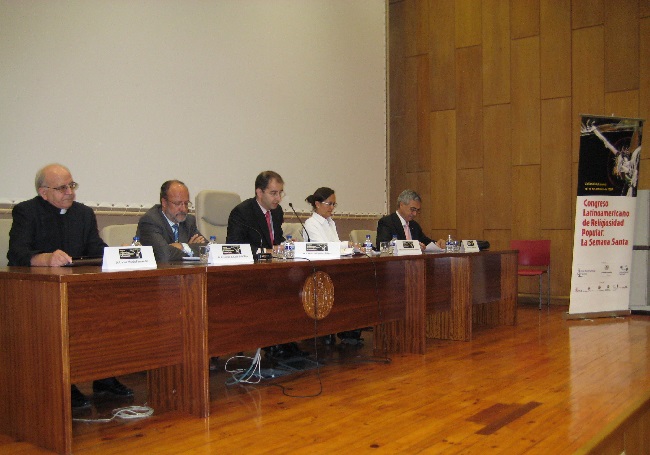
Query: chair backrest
[(294, 230), (213, 208), (118, 234), (533, 252), (5, 227), (359, 235)]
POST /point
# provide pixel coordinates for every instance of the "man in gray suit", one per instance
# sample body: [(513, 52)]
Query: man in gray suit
[(168, 227)]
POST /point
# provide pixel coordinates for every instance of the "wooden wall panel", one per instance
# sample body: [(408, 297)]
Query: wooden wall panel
[(644, 68), (525, 101), (556, 200), (496, 147), (396, 54), (471, 203), (588, 68), (420, 182), (622, 104), (587, 13), (644, 8), (443, 157), (555, 48), (526, 202), (442, 48), (621, 46), (499, 240), (423, 155), (468, 23), (496, 52), (561, 260), (409, 139), (469, 112), (524, 17), (417, 27), (451, 128)]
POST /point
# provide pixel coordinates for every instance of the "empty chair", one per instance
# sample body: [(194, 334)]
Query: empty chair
[(5, 227), (359, 235), (294, 230), (213, 208), (535, 260), (118, 234)]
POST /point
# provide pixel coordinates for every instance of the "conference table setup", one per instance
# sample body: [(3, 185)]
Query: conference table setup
[(65, 325)]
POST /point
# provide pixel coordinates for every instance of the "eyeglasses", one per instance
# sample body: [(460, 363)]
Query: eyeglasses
[(63, 188), (275, 193), (414, 210), (331, 204), (186, 204)]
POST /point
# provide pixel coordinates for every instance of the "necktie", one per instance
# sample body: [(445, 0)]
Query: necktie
[(175, 229), (407, 231), (267, 215)]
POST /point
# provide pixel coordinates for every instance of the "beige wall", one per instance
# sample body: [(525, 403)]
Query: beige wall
[(485, 98)]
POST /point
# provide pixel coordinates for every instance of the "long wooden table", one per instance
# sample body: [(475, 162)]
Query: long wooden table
[(59, 326)]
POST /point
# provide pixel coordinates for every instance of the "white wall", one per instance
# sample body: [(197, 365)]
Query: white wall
[(131, 93)]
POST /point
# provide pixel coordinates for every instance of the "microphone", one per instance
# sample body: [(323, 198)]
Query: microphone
[(303, 226), (259, 255)]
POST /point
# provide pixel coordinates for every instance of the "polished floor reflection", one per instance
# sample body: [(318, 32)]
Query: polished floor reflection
[(547, 385)]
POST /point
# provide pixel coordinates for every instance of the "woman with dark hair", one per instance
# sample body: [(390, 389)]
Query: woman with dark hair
[(320, 226)]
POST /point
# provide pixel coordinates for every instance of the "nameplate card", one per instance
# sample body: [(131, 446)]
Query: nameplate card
[(318, 250), (407, 247), (224, 254), (128, 258), (470, 246)]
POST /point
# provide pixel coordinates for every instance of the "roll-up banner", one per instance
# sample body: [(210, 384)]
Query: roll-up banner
[(608, 173)]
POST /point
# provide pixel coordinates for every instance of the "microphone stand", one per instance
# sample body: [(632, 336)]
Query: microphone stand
[(303, 226)]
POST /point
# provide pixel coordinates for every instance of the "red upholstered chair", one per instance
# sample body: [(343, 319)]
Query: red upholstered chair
[(534, 260)]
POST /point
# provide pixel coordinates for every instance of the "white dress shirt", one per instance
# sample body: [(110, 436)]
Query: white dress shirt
[(321, 229)]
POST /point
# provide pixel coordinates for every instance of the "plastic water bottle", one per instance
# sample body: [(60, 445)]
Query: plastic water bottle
[(213, 241), (136, 241), (367, 245), (392, 244), (449, 246), (289, 248)]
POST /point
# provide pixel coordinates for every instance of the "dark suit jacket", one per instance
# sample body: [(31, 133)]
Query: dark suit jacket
[(39, 227), (246, 224), (154, 230), (391, 224)]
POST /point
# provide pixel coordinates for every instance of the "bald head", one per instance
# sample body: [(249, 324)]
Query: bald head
[(53, 183)]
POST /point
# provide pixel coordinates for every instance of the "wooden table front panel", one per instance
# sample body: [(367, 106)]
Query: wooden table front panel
[(261, 305)]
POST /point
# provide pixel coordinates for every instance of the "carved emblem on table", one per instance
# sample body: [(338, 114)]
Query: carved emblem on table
[(318, 295)]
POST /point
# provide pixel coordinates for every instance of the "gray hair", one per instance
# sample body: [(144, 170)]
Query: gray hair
[(39, 181), (407, 196)]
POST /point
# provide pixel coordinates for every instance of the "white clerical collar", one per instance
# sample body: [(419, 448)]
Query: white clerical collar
[(63, 211)]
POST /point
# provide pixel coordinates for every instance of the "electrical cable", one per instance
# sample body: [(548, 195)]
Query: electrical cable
[(125, 413)]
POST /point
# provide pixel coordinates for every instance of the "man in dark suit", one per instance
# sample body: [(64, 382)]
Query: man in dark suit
[(402, 222), (258, 220), (48, 231), (168, 227)]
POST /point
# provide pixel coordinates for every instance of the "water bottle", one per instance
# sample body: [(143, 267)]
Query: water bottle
[(213, 241), (392, 244), (449, 246), (136, 241), (289, 248), (367, 245)]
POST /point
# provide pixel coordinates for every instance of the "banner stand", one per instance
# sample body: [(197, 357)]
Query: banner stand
[(601, 314), (608, 174)]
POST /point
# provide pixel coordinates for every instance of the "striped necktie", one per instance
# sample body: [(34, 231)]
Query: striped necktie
[(175, 229)]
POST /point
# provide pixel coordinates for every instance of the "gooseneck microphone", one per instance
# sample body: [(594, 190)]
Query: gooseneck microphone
[(303, 226), (260, 254)]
